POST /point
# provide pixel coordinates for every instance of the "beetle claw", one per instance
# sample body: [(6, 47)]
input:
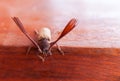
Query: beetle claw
[(43, 60)]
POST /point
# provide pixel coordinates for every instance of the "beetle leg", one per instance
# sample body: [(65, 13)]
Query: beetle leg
[(42, 58), (59, 49), (36, 32), (28, 50), (50, 52)]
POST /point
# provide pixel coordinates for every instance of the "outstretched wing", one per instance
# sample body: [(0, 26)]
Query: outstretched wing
[(20, 25), (71, 24)]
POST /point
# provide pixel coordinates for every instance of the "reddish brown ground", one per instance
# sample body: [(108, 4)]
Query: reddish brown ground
[(78, 64), (91, 49)]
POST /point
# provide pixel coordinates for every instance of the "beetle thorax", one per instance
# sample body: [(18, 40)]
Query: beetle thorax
[(44, 33)]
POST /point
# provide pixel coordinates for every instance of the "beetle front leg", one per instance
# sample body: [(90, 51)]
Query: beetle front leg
[(50, 52), (42, 58), (59, 49)]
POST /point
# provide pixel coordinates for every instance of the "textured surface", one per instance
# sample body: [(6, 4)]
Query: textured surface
[(78, 64), (92, 54)]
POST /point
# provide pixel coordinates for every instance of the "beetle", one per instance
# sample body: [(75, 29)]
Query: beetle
[(44, 36)]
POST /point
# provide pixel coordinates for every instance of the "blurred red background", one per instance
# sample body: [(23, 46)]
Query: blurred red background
[(98, 21)]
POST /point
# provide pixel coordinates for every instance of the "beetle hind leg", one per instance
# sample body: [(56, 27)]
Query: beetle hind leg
[(28, 50), (36, 32)]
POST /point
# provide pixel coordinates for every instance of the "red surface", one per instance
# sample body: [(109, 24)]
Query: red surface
[(88, 57), (78, 64)]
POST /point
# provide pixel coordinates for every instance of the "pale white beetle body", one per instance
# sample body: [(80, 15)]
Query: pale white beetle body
[(44, 37), (44, 33)]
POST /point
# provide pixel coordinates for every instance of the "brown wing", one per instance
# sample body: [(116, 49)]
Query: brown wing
[(20, 25), (71, 24)]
